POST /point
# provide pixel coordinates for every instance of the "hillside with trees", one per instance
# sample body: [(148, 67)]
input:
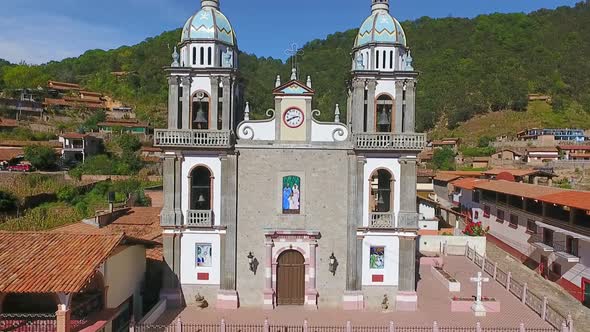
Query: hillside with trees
[(469, 67)]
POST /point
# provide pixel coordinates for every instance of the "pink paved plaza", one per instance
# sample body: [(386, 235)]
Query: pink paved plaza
[(433, 305)]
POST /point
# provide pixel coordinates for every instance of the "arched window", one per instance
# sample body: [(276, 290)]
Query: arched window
[(194, 55), (381, 198), (209, 56), (202, 55), (200, 180), (200, 110), (385, 115), (391, 60), (377, 60), (384, 60)]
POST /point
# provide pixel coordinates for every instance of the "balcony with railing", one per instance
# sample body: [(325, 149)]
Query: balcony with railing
[(193, 138), (199, 218), (407, 220), (389, 141), (381, 220)]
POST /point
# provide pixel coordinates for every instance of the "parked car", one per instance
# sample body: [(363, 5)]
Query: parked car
[(20, 168)]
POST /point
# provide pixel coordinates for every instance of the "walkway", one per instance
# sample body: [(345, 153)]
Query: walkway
[(434, 305), (558, 298)]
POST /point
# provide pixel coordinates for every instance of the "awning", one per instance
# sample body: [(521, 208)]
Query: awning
[(563, 231)]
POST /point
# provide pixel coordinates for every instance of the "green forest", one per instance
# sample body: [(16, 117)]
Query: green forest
[(468, 67)]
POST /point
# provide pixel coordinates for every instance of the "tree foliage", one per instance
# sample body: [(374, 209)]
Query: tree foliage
[(468, 67), (444, 159), (41, 157)]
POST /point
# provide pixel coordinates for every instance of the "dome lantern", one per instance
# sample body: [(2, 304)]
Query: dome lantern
[(380, 5)]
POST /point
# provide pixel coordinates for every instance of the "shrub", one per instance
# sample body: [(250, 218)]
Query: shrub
[(41, 157), (475, 229), (444, 159), (7, 201)]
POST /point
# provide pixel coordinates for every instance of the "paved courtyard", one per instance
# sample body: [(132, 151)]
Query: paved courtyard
[(434, 305)]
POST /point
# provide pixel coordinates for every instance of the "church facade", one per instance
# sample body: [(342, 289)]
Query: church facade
[(290, 210)]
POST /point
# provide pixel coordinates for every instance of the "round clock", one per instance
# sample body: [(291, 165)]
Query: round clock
[(293, 117)]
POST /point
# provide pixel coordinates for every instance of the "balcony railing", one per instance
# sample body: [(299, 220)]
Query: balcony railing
[(388, 141), (381, 220), (199, 218), (408, 220), (192, 138)]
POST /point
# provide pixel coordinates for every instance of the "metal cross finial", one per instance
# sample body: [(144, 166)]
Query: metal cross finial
[(293, 52)]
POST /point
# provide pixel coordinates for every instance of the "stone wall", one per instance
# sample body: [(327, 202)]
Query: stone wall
[(324, 205)]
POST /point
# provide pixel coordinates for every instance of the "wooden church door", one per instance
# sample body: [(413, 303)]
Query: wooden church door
[(291, 278)]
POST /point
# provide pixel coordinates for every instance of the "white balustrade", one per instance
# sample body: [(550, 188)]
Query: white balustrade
[(389, 141), (192, 138), (381, 220), (199, 218)]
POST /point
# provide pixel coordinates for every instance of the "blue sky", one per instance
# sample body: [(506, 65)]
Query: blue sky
[(37, 31)]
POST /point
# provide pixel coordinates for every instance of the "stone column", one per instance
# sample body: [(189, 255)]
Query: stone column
[(178, 190), (214, 102), (399, 107), (63, 313), (167, 216), (371, 61), (410, 112), (407, 298), (173, 102), (269, 294), (227, 298), (186, 102), (408, 185), (226, 107), (371, 118), (358, 102), (311, 294), (353, 297)]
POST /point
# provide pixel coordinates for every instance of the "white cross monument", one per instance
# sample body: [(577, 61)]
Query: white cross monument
[(478, 307)]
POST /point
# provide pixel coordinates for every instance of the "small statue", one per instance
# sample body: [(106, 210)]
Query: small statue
[(409, 61), (228, 59), (175, 58), (360, 63), (385, 302)]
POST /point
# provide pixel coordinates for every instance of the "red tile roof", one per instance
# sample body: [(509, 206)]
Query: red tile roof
[(575, 147), (517, 189), (74, 135), (571, 198), (8, 123), (11, 153), (514, 172), (51, 262), (466, 183), (542, 149)]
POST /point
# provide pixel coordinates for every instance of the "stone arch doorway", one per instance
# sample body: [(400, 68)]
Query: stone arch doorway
[(291, 278)]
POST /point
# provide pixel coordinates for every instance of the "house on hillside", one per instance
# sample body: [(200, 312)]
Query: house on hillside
[(557, 134), (506, 156), (62, 95), (58, 281), (452, 143), (77, 147), (132, 126), (8, 124), (480, 162), (521, 175), (541, 155), (547, 228), (574, 152)]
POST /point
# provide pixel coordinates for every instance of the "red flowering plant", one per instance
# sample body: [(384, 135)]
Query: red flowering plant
[(475, 229)]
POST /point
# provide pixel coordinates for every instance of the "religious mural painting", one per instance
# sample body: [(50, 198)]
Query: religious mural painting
[(291, 195), (203, 254), (377, 258)]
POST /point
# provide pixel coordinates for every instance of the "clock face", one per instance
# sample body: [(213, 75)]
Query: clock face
[(293, 117)]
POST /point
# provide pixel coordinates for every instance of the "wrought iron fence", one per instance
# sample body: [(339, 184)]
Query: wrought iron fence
[(160, 328), (239, 328), (286, 328), (28, 322)]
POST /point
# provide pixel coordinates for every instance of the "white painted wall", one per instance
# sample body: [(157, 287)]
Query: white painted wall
[(426, 210), (214, 163), (385, 86), (189, 269), (433, 243), (201, 83), (371, 165), (326, 132), (124, 273), (257, 130), (390, 271)]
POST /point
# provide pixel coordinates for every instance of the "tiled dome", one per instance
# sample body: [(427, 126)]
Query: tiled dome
[(380, 27), (209, 23)]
